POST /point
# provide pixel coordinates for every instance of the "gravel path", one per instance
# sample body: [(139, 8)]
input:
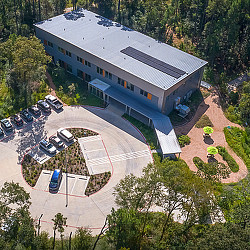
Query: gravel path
[(198, 147)]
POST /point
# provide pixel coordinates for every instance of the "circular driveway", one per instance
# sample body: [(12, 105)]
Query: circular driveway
[(125, 148)]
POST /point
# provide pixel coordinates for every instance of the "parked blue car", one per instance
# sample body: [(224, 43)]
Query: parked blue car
[(55, 180)]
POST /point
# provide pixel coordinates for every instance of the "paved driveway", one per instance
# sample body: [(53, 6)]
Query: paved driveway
[(119, 145)]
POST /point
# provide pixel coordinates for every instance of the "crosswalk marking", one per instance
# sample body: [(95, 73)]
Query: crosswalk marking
[(90, 138), (121, 157)]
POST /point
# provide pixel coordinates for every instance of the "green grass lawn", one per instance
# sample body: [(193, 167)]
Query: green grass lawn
[(148, 132), (72, 90)]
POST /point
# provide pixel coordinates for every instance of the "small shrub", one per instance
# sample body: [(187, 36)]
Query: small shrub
[(183, 140), (204, 122), (229, 159)]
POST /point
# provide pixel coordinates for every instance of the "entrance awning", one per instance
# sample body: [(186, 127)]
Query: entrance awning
[(99, 84), (164, 130)]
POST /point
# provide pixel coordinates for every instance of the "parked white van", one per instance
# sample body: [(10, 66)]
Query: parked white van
[(65, 134)]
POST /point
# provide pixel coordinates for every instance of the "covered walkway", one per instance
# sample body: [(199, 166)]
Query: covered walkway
[(164, 130)]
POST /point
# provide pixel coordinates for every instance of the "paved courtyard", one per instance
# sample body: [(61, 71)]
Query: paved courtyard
[(119, 148), (198, 146)]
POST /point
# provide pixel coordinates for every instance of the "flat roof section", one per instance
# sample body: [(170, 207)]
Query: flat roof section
[(105, 39), (164, 130)]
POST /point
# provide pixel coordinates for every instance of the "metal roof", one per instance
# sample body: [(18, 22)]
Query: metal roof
[(105, 39), (164, 130)]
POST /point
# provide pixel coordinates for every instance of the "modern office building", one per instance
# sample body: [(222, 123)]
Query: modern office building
[(145, 77)]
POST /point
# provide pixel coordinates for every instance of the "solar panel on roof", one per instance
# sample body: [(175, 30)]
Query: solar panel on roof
[(153, 62)]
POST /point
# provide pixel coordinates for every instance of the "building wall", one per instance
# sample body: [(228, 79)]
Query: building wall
[(187, 86), (155, 95)]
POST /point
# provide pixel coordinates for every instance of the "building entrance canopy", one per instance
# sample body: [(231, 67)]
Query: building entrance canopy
[(164, 130)]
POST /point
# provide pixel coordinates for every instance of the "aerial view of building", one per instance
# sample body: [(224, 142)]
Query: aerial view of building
[(124, 124), (140, 74)]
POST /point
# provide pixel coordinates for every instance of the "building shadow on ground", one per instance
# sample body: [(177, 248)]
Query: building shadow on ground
[(115, 120), (186, 127)]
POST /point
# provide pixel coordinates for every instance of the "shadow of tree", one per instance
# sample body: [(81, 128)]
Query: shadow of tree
[(30, 136), (73, 15), (208, 140), (185, 128)]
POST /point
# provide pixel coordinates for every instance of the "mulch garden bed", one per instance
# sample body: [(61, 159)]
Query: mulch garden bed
[(75, 164)]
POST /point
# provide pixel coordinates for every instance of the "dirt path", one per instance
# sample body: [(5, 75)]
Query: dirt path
[(53, 88), (198, 147)]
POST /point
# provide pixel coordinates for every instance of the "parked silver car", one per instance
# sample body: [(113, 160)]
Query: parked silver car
[(48, 147)]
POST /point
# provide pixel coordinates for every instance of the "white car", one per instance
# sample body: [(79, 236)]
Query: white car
[(65, 134), (56, 104), (48, 147), (56, 141)]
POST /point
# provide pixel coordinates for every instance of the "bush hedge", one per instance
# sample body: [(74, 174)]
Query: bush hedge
[(183, 140), (229, 159), (213, 170), (203, 122), (239, 140)]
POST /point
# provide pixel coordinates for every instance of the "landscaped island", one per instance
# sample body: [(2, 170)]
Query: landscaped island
[(76, 164)]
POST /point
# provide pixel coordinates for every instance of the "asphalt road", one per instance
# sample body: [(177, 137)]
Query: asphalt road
[(122, 149)]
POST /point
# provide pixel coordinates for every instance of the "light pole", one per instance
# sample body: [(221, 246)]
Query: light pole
[(66, 178), (39, 221)]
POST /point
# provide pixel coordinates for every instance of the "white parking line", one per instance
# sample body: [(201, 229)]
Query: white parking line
[(121, 157), (73, 186)]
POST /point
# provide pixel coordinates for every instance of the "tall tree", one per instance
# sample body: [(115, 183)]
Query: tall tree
[(59, 223)]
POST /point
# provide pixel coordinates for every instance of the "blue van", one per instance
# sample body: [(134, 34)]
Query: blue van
[(55, 180)]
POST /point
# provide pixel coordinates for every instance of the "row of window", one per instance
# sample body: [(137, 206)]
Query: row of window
[(126, 84), (83, 75), (146, 94), (79, 59), (104, 73), (99, 70)]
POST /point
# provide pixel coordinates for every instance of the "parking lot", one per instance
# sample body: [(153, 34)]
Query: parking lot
[(42, 156), (71, 184), (119, 148)]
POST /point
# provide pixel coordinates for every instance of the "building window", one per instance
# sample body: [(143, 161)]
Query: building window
[(121, 81), (99, 70), (87, 63), (61, 50), (68, 53), (69, 68), (87, 77), (79, 59), (130, 86), (79, 73), (108, 75), (146, 94), (50, 44)]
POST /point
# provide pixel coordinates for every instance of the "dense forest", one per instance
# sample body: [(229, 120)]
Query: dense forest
[(217, 31)]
